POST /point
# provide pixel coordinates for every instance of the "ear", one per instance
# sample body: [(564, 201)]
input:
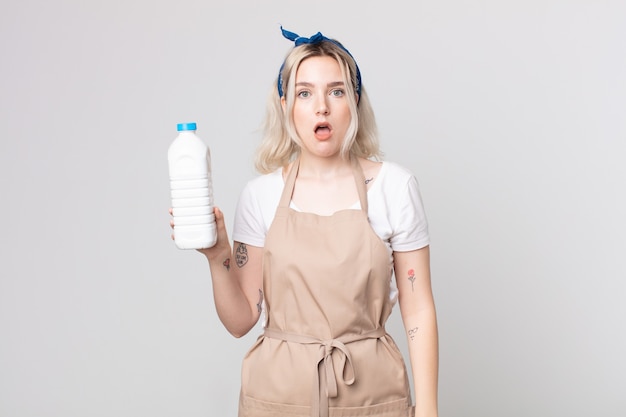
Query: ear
[(283, 103)]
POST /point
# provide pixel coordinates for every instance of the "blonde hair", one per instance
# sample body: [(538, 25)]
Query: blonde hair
[(280, 143)]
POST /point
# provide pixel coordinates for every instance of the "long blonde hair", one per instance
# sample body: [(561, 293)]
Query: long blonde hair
[(281, 143)]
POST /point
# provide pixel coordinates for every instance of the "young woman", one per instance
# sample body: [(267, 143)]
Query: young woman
[(316, 241)]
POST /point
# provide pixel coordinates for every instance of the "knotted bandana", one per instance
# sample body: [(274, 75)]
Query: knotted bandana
[(317, 38)]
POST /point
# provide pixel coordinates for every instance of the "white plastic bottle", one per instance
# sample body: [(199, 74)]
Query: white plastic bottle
[(191, 189)]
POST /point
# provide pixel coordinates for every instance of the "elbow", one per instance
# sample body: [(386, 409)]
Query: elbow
[(238, 334), (239, 331), (238, 325)]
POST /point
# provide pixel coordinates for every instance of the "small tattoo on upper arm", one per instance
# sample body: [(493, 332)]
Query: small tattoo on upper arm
[(241, 255), (227, 264), (412, 332), (411, 278), (367, 181), (259, 305)]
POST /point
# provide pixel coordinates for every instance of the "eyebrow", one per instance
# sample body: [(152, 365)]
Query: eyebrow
[(307, 84)]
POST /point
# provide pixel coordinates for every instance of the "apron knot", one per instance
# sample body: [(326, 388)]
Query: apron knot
[(326, 369)]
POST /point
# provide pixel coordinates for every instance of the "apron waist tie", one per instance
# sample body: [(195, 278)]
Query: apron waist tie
[(325, 386)]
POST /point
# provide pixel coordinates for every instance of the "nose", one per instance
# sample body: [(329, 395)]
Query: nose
[(322, 106)]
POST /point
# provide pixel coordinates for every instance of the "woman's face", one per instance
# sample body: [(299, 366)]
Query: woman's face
[(321, 113)]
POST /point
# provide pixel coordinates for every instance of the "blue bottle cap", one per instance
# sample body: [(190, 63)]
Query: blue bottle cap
[(186, 126)]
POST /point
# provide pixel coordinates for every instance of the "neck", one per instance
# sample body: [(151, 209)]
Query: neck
[(323, 167)]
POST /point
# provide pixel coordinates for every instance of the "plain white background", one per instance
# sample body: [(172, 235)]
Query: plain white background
[(510, 113)]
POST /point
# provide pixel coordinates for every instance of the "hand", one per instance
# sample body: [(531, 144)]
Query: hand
[(222, 245)]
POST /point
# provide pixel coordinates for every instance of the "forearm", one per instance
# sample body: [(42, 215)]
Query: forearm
[(417, 306), (422, 337), (232, 304)]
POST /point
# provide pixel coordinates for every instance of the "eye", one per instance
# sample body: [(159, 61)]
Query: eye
[(338, 92), (304, 94)]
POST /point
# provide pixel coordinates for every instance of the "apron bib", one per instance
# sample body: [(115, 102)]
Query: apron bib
[(325, 351)]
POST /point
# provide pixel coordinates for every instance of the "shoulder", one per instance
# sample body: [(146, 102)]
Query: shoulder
[(386, 172), (267, 180), (260, 195), (397, 189), (262, 184), (256, 207), (396, 171), (395, 179)]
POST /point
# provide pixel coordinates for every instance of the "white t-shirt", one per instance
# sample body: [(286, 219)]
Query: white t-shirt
[(396, 212)]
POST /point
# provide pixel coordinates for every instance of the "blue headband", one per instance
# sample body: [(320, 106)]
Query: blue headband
[(317, 38)]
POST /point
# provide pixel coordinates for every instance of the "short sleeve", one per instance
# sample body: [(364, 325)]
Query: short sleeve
[(408, 219), (249, 226)]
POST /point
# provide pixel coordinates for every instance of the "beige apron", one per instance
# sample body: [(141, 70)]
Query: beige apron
[(325, 351)]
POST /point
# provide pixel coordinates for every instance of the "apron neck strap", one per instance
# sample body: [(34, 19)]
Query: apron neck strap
[(290, 182), (359, 179)]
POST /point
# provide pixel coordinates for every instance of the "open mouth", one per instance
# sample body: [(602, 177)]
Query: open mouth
[(322, 131)]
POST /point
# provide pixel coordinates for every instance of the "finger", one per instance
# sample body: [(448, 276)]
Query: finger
[(219, 216), (220, 225)]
